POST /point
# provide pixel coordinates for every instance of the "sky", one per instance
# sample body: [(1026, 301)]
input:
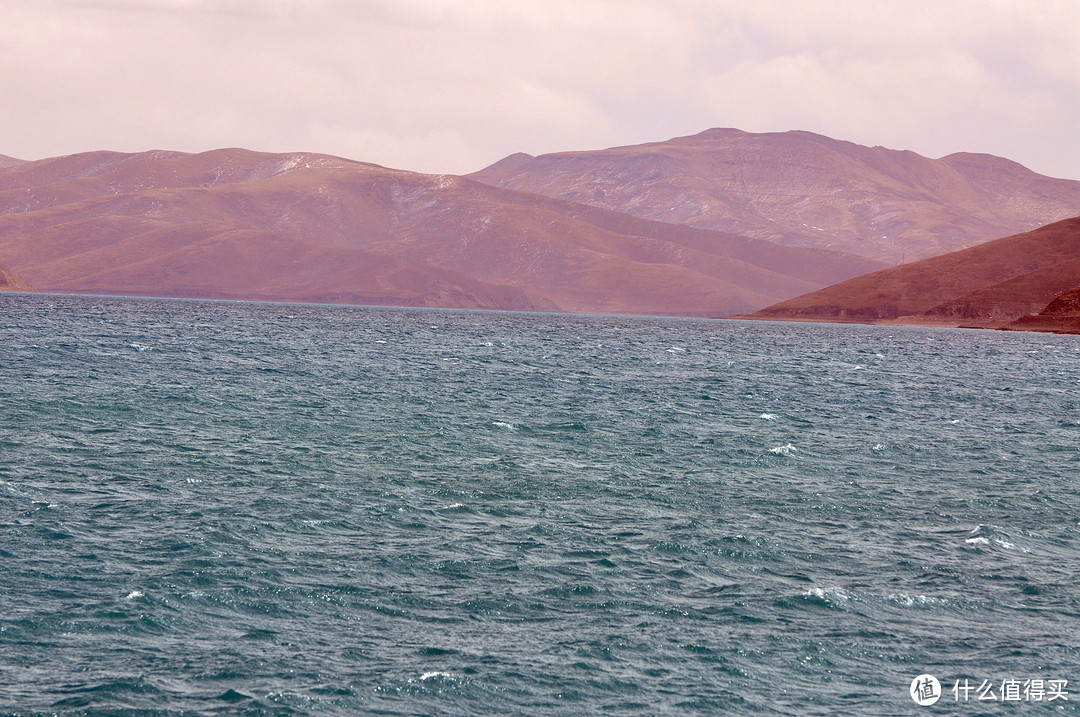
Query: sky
[(450, 86)]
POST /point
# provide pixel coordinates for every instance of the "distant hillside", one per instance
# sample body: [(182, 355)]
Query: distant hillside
[(990, 285), (802, 189), (10, 281), (6, 161), (305, 227)]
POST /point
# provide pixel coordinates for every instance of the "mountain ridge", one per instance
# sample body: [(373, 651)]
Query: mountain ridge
[(234, 223), (799, 188), (6, 161), (301, 226)]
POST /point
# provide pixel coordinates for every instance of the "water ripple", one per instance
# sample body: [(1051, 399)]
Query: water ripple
[(259, 508)]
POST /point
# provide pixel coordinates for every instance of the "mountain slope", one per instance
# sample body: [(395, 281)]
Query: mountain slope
[(6, 161), (1061, 316), (305, 227), (802, 189), (10, 281), (988, 285)]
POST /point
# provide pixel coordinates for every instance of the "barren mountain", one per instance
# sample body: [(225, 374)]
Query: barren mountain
[(802, 189), (305, 227), (6, 161), (990, 285)]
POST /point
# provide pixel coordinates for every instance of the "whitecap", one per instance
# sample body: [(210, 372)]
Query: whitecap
[(140, 347), (987, 535), (878, 447), (784, 450), (135, 594), (768, 416), (504, 424), (436, 673), (833, 595), (912, 600)]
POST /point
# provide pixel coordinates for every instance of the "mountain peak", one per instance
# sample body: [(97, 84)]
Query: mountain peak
[(799, 188)]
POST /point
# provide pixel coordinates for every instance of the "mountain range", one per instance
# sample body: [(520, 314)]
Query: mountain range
[(307, 227), (720, 223)]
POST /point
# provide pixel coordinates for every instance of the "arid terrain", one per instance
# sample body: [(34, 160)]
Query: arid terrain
[(10, 281), (304, 227), (1026, 281), (6, 161), (803, 189), (720, 223)]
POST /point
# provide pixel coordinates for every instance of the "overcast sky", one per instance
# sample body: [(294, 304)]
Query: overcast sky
[(454, 85)]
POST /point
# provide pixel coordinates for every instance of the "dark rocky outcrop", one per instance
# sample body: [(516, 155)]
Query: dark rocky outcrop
[(10, 281)]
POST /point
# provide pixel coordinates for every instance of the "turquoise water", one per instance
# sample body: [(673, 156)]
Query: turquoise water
[(223, 508)]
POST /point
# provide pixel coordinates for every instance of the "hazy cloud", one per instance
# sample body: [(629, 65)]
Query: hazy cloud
[(452, 85)]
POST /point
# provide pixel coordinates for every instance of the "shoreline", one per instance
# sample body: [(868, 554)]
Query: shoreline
[(1065, 326)]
